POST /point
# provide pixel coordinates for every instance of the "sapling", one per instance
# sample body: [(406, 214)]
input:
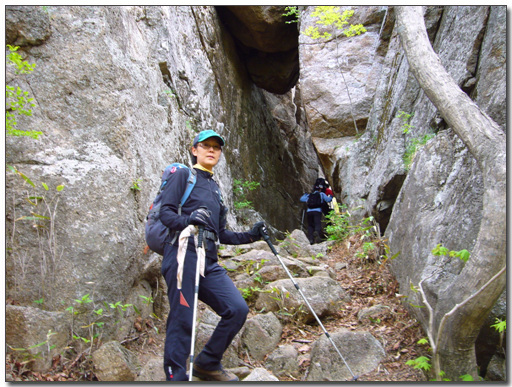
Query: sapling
[(434, 337), (18, 101)]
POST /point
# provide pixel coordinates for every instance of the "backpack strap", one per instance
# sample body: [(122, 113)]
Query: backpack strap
[(191, 182)]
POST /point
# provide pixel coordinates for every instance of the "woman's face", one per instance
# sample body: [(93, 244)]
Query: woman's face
[(208, 153)]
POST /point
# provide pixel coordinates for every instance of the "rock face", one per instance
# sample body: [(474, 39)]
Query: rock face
[(369, 172), (114, 363), (120, 94), (350, 69)]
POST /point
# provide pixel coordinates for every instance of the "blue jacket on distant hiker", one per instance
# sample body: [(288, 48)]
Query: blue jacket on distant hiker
[(315, 201)]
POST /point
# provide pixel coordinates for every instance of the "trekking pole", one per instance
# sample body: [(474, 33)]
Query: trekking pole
[(196, 295), (267, 239)]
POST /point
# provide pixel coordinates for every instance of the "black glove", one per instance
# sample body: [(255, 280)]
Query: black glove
[(199, 217), (255, 231)]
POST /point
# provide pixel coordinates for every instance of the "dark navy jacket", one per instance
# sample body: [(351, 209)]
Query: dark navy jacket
[(206, 193)]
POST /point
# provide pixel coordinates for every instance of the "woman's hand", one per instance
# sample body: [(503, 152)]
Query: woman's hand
[(199, 217), (256, 231)]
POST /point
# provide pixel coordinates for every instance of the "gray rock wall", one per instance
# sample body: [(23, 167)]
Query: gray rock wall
[(120, 94), (438, 198)]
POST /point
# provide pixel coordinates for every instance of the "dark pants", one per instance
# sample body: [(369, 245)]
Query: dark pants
[(217, 290), (314, 225)]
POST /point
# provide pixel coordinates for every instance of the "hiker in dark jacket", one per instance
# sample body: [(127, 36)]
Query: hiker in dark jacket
[(215, 289), (315, 201)]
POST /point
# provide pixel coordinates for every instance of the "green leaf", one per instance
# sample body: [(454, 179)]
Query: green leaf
[(31, 218), (440, 250), (45, 186), (40, 216), (500, 325), (463, 255), (60, 187), (26, 179), (467, 378), (37, 345)]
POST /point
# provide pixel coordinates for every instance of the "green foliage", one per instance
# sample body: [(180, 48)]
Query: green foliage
[(252, 267), (39, 302), (331, 16), (413, 147), (96, 317), (249, 292), (170, 93), (421, 363), (338, 225), (292, 13), (44, 202), (147, 300), (387, 254), (135, 185), (463, 254), (423, 341), (28, 354), (240, 191), (86, 299), (17, 101), (406, 126), (22, 66), (500, 326), (368, 247)]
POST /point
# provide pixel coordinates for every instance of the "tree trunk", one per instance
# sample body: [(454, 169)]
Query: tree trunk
[(486, 141)]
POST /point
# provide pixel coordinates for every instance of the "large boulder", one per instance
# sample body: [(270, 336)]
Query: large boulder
[(360, 351), (37, 335), (27, 25), (206, 325), (350, 68), (323, 294), (262, 334), (115, 363)]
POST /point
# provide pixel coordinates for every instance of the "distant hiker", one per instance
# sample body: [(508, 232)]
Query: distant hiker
[(203, 207), (321, 182), (315, 201), (327, 207)]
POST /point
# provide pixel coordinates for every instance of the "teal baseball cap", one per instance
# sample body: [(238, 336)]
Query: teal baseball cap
[(205, 134)]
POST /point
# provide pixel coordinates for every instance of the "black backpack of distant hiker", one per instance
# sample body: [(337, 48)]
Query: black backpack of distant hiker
[(315, 200)]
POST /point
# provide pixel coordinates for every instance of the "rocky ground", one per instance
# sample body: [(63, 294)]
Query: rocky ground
[(368, 282)]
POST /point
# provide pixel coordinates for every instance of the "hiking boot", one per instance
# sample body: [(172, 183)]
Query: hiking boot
[(316, 237), (215, 376)]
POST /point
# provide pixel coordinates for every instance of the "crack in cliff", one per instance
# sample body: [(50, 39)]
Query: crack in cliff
[(205, 48)]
